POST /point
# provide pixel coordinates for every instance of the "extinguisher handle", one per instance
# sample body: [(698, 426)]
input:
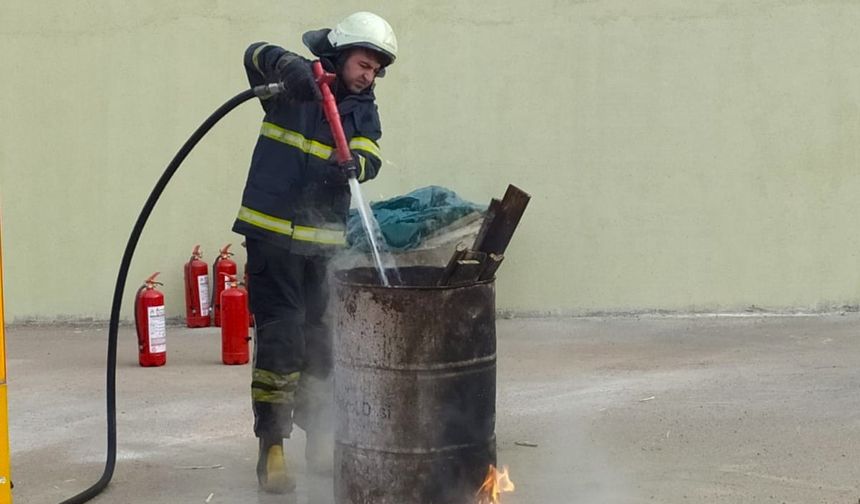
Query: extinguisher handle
[(151, 280)]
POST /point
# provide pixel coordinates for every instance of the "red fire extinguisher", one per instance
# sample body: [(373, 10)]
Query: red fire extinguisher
[(149, 321), (197, 290), (221, 269), (234, 323)]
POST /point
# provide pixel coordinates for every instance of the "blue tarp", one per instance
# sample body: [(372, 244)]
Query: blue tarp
[(406, 220)]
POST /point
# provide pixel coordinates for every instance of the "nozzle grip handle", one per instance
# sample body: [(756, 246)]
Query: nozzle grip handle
[(324, 79)]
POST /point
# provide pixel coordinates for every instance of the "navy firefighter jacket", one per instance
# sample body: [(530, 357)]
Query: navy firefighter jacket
[(287, 201)]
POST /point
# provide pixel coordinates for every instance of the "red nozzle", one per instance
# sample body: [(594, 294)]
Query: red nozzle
[(225, 252), (332, 115), (196, 252)]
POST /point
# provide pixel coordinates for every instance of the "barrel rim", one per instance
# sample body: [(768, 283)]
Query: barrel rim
[(340, 273)]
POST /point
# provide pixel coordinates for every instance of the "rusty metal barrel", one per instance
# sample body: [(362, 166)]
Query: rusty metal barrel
[(415, 388)]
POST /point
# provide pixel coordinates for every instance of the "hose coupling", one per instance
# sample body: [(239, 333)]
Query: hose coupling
[(268, 90)]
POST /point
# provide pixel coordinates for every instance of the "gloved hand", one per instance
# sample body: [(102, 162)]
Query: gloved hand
[(298, 78), (336, 174)]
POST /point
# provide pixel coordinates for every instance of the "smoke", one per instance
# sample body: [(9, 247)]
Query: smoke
[(348, 259), (433, 249), (547, 437), (565, 466)]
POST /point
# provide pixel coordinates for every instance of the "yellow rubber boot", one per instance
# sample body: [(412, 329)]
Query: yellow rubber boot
[(272, 473)]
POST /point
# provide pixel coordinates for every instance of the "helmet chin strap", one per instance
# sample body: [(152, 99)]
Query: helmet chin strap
[(337, 63), (328, 65), (341, 58)]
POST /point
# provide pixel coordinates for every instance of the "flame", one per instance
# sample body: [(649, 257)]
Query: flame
[(496, 483)]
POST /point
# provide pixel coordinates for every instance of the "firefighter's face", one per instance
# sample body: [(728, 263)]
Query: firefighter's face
[(360, 69)]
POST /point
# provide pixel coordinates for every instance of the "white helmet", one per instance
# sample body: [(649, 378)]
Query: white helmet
[(362, 29)]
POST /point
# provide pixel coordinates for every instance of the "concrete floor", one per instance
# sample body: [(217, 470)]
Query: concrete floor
[(627, 410)]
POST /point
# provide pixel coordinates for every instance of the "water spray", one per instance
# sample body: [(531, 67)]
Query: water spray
[(346, 162)]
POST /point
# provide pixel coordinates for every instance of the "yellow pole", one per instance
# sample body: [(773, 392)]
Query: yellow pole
[(5, 473)]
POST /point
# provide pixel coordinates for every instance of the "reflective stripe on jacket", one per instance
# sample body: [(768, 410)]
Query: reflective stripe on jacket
[(287, 200)]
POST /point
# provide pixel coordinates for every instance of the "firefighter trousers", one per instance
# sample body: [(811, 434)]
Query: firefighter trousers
[(288, 295)]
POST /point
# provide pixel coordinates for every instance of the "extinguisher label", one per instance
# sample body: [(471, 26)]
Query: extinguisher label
[(157, 336), (203, 294)]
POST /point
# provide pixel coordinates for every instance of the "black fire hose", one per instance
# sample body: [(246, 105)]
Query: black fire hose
[(264, 91)]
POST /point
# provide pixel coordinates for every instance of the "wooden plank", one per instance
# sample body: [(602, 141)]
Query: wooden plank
[(491, 265), (505, 222), (481, 257), (495, 204), (466, 272), (459, 252)]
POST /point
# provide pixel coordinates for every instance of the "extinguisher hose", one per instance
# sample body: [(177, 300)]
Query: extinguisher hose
[(136, 318), (263, 91), (215, 281)]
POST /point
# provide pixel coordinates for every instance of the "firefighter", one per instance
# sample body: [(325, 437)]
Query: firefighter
[(293, 216)]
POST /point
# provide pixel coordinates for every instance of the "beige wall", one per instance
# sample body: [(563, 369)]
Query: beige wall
[(682, 155)]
